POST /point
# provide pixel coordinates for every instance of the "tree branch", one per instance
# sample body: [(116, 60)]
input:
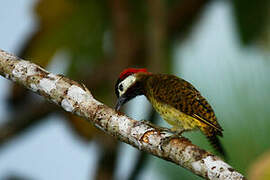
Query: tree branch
[(76, 98)]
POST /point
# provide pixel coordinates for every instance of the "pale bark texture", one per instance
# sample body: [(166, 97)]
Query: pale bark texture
[(76, 98)]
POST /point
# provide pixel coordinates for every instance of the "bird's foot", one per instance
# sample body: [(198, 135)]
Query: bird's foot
[(156, 126), (147, 123), (175, 133), (144, 122)]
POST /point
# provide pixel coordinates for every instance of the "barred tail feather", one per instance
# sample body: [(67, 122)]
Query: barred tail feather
[(217, 145)]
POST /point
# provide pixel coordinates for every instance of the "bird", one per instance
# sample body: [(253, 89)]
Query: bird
[(177, 101)]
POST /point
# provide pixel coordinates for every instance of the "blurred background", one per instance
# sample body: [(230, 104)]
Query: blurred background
[(222, 47)]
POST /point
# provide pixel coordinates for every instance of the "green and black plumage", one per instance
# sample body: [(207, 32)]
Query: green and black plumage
[(178, 102)]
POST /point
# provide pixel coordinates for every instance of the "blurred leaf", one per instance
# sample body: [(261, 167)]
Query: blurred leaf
[(138, 15), (75, 26), (251, 18), (85, 33), (265, 38), (44, 42), (260, 170)]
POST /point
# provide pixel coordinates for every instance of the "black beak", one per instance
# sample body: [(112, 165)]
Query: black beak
[(120, 101)]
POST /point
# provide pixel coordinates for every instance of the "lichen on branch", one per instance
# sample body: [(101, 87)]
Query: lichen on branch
[(76, 98)]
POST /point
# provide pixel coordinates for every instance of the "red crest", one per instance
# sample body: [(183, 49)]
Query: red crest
[(130, 71)]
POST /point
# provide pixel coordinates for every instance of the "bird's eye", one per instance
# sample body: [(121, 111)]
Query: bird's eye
[(121, 87)]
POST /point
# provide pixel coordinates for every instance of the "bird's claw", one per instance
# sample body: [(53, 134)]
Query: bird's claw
[(147, 123), (160, 129)]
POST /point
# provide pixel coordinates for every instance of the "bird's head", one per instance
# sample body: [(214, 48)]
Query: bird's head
[(128, 85)]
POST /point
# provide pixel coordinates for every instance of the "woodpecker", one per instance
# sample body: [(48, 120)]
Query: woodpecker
[(176, 100)]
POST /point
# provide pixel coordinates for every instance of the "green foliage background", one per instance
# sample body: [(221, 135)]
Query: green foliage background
[(102, 38)]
